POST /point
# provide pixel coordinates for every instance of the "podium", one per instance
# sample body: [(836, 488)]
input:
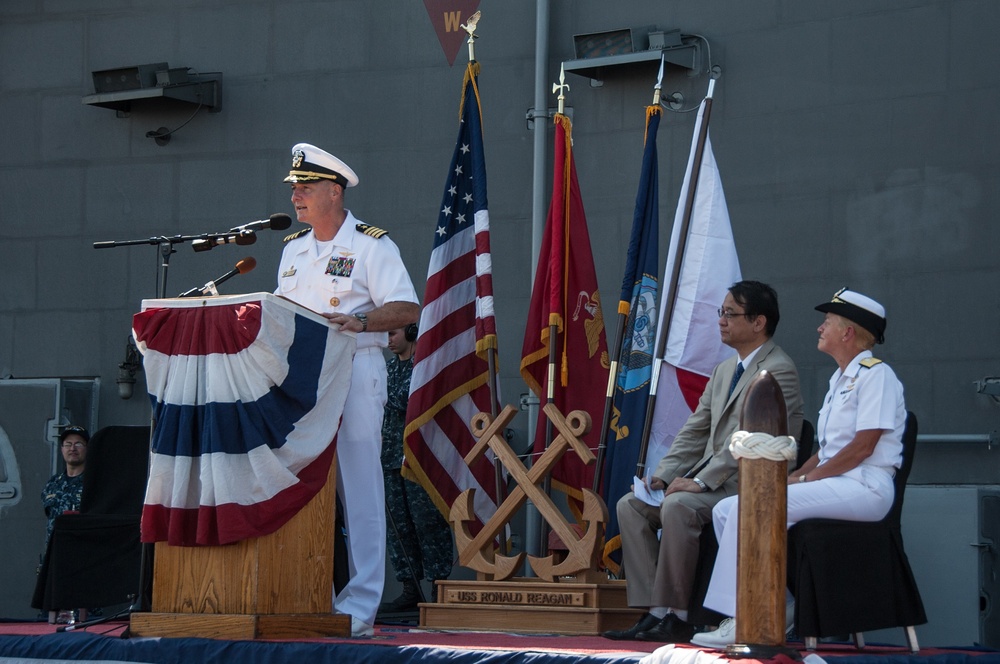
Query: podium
[(273, 586)]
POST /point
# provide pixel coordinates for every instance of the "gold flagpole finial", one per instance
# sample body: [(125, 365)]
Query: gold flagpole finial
[(470, 27), (659, 84), (561, 87)]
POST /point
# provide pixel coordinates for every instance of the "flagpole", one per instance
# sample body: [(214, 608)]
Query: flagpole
[(559, 87), (470, 27), (543, 530), (609, 395), (624, 307), (661, 345)]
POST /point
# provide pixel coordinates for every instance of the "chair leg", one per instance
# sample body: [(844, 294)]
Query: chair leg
[(810, 642), (911, 638), (859, 640)]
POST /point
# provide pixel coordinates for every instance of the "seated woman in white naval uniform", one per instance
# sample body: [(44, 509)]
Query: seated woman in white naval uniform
[(860, 432)]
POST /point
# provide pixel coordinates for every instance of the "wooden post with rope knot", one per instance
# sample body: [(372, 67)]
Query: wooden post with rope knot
[(763, 449)]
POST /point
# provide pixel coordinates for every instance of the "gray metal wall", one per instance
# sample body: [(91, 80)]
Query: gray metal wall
[(857, 141)]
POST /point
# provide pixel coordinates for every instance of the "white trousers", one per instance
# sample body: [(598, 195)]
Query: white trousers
[(360, 486), (862, 494)]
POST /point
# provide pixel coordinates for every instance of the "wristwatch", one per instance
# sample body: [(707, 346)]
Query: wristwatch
[(802, 478), (701, 485), (364, 321)]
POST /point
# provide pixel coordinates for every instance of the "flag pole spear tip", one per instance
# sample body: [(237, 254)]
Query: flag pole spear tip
[(659, 84), (561, 87), (470, 27)]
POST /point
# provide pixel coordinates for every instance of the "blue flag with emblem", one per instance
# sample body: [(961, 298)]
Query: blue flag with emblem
[(639, 300)]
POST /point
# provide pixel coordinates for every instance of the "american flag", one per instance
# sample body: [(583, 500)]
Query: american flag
[(450, 382)]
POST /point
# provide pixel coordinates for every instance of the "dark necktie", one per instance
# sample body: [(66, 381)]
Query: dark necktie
[(736, 377)]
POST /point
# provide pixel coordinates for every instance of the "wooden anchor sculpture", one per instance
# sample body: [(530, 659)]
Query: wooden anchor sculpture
[(476, 552)]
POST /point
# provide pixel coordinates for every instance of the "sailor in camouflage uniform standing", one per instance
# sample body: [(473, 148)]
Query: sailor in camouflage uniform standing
[(419, 538), (352, 274), (63, 491)]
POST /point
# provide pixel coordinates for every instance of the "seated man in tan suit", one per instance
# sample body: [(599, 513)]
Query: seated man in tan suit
[(699, 470)]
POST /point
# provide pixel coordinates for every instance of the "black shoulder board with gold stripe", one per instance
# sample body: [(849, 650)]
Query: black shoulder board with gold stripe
[(372, 231), (297, 234), (869, 362)]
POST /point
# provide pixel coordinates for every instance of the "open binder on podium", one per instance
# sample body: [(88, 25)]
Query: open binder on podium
[(247, 394)]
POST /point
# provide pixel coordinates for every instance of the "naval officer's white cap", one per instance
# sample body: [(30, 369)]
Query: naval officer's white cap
[(310, 164)]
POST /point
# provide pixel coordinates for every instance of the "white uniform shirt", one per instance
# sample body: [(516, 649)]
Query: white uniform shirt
[(353, 274), (859, 399)]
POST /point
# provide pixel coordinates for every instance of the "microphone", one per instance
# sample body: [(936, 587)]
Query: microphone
[(238, 237), (242, 267), (245, 234), (276, 222)]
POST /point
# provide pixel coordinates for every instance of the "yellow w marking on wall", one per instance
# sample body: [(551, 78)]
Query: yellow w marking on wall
[(452, 21)]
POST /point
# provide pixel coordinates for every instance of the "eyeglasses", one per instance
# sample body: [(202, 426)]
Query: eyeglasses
[(67, 445), (723, 313)]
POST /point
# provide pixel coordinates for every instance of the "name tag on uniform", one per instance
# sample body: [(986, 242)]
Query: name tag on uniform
[(290, 272), (340, 266)]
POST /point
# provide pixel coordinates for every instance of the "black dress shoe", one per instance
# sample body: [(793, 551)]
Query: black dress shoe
[(647, 621), (669, 630), (407, 600)]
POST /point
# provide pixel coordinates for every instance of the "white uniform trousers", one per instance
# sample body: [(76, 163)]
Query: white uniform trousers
[(862, 494), (360, 486)]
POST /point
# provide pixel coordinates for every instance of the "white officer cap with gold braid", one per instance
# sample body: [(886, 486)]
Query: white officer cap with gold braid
[(858, 308), (310, 164)]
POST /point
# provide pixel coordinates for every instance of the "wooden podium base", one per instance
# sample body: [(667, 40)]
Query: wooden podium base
[(530, 606), (240, 626), (277, 586)]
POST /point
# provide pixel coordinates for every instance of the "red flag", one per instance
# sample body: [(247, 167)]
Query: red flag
[(565, 295), (450, 382)]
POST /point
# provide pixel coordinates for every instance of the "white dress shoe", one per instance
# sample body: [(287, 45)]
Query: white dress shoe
[(720, 638), (361, 628), (726, 634)]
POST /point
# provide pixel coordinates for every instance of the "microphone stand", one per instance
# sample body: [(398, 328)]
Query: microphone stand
[(134, 607), (166, 245), (141, 603)]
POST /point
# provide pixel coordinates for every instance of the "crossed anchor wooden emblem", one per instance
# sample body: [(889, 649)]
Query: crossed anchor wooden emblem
[(477, 552)]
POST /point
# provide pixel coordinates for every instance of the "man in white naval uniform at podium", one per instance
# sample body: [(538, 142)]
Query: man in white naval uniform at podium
[(352, 274)]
